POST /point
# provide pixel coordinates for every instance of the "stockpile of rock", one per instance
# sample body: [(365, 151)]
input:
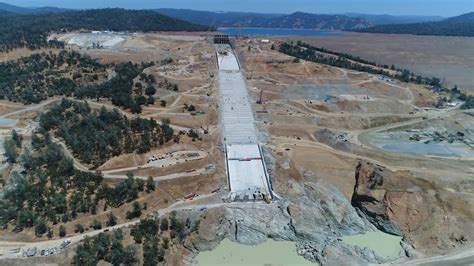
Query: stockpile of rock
[(439, 136)]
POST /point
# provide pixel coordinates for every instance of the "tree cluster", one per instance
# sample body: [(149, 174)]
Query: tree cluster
[(96, 136), (321, 55), (105, 247), (345, 55), (50, 190), (167, 85), (119, 89), (32, 31), (11, 146), (468, 101), (39, 76), (153, 234), (307, 52), (67, 73)]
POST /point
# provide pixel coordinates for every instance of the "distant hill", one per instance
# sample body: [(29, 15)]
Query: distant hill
[(4, 13), (221, 19), (32, 31), (390, 19), (298, 20), (462, 25), (29, 10), (465, 18), (13, 9)]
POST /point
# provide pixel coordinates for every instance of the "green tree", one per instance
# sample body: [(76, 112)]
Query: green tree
[(137, 234), (85, 253), (40, 227), (79, 228), (150, 90), (10, 150), (130, 256), (62, 231), (17, 138), (161, 254), (50, 233), (111, 219), (96, 224), (135, 212), (150, 184), (164, 224), (150, 253)]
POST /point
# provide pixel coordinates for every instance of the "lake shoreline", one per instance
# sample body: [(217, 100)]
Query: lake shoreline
[(277, 32)]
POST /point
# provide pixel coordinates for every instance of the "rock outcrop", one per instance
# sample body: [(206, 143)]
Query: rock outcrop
[(428, 216), (316, 215), (316, 220)]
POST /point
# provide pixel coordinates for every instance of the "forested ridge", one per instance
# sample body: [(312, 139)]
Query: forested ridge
[(457, 26), (31, 31), (96, 136), (299, 20)]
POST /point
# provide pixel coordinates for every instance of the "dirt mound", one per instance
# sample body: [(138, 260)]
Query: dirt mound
[(425, 214)]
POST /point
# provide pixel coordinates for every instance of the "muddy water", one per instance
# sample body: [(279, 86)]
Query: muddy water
[(268, 253), (383, 244)]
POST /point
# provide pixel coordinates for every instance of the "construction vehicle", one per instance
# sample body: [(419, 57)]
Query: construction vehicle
[(190, 196)]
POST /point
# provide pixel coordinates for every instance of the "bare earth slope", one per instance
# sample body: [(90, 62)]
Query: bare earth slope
[(426, 214), (449, 58)]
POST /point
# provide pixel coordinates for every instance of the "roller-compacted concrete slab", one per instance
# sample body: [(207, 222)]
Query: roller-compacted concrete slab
[(246, 170)]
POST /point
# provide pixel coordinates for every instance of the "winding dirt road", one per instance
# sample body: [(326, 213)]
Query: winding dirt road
[(14, 249)]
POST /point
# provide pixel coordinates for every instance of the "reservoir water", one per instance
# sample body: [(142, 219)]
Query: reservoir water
[(276, 32), (383, 244), (270, 252)]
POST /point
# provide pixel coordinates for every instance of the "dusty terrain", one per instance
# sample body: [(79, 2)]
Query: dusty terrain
[(317, 123), (178, 169), (416, 208), (321, 121), (449, 58)]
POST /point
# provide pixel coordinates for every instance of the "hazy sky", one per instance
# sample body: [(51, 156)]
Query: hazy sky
[(394, 7)]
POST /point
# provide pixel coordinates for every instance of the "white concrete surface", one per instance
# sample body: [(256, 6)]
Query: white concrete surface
[(228, 62), (242, 151), (245, 166), (236, 112), (246, 170)]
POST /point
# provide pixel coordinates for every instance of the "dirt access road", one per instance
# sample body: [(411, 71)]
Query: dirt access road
[(6, 247)]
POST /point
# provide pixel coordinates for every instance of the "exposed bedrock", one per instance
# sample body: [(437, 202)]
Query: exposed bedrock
[(316, 220), (428, 216)]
